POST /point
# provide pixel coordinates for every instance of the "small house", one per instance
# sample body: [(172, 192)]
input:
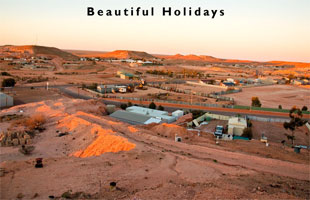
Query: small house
[(236, 125), (106, 88)]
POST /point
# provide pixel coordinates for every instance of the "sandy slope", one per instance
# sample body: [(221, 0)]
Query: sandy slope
[(99, 150)]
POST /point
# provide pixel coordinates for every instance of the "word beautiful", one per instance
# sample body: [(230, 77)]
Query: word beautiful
[(165, 11)]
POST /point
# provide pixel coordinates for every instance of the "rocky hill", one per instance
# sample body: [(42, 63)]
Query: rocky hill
[(33, 50)]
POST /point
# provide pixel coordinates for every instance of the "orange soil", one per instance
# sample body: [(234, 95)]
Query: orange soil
[(132, 129), (171, 125), (105, 142), (75, 116)]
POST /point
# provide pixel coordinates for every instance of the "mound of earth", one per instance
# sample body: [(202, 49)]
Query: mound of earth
[(83, 152), (170, 130), (125, 54), (184, 119), (79, 124), (33, 50)]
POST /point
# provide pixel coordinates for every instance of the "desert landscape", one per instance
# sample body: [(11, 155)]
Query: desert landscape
[(97, 150), (62, 136)]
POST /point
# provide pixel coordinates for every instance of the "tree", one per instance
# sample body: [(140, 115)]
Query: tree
[(304, 108), (280, 107), (160, 107), (256, 102), (131, 88), (123, 106), (5, 74), (152, 105), (129, 104), (295, 122), (8, 82), (247, 132)]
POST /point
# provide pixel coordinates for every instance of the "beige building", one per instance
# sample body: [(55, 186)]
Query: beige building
[(236, 125)]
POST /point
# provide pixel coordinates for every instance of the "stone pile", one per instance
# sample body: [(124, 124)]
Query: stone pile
[(9, 138)]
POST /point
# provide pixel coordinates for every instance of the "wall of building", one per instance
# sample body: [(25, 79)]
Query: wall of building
[(6, 100)]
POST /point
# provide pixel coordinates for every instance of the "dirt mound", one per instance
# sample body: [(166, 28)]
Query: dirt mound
[(170, 130), (80, 124), (89, 106), (33, 50), (105, 142), (124, 54), (184, 119)]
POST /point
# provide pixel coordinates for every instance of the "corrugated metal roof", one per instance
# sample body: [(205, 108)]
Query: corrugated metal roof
[(146, 111), (130, 117), (152, 113)]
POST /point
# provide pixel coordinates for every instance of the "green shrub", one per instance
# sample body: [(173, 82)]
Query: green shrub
[(8, 82)]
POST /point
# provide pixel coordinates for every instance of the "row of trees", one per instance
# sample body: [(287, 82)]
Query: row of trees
[(152, 105)]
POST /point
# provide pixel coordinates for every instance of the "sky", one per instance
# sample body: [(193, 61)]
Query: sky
[(261, 30)]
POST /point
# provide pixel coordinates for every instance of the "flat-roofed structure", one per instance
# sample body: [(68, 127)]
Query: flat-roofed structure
[(134, 118), (236, 125), (163, 115)]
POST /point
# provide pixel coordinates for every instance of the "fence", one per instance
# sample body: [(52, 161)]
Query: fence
[(224, 117), (194, 103), (263, 119), (265, 109), (215, 95)]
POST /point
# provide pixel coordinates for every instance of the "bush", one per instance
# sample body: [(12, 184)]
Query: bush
[(31, 123), (197, 113), (247, 132), (123, 106), (35, 121), (160, 107), (152, 105), (256, 102), (8, 82), (5, 74), (129, 104), (92, 86), (304, 108)]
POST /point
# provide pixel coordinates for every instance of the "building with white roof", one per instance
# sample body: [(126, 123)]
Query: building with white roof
[(236, 125)]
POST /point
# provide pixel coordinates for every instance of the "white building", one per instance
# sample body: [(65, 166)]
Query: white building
[(236, 125), (158, 114), (6, 100), (178, 113)]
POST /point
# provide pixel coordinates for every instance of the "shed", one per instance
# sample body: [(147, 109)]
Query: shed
[(134, 118), (162, 115), (178, 113), (236, 125), (106, 88), (6, 100)]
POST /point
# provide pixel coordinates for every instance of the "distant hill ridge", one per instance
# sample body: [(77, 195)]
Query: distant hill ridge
[(122, 54), (211, 59), (128, 54), (35, 50)]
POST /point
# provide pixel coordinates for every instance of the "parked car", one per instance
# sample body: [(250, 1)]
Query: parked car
[(219, 130)]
